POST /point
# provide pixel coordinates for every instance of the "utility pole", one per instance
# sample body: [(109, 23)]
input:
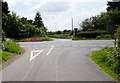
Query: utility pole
[(72, 25)]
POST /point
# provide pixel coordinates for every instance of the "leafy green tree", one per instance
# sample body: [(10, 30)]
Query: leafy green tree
[(113, 17), (65, 31), (11, 25), (43, 31), (38, 20), (100, 22), (87, 24), (58, 32)]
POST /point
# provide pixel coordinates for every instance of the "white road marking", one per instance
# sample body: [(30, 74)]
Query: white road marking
[(50, 50), (37, 53)]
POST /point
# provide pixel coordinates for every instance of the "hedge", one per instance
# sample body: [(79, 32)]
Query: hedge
[(118, 36), (90, 34)]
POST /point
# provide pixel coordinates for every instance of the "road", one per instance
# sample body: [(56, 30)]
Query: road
[(60, 60)]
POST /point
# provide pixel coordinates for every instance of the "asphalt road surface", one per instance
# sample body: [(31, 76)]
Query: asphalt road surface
[(59, 60)]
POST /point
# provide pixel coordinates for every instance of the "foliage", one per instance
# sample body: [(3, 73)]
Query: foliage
[(109, 60), (5, 56), (46, 39), (11, 25), (38, 20), (58, 32), (107, 36), (17, 28), (100, 22), (118, 36), (3, 36), (113, 5), (12, 47), (5, 9), (89, 34), (43, 31)]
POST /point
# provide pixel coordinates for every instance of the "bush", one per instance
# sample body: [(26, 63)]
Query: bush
[(90, 34), (118, 36), (12, 47), (107, 36), (5, 56)]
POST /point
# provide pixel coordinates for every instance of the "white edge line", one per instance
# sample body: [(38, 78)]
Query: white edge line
[(50, 50)]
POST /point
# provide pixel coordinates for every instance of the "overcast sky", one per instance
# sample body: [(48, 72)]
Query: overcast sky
[(57, 14)]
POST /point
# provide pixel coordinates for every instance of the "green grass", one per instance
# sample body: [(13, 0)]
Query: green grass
[(107, 36), (5, 56), (20, 40), (12, 47), (77, 38), (102, 58), (46, 39), (61, 36)]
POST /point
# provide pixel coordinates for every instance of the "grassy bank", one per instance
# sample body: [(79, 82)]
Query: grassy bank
[(12, 47), (5, 56), (108, 60)]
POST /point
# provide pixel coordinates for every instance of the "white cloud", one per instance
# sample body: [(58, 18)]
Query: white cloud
[(57, 14)]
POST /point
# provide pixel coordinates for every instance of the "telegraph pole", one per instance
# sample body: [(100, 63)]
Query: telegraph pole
[(72, 25)]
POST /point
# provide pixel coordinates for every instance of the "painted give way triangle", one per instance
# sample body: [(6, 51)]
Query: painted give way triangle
[(35, 53)]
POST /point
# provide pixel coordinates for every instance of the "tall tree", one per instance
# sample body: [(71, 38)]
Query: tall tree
[(38, 20), (5, 8), (113, 5)]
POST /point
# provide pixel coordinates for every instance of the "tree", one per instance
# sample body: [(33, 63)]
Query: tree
[(113, 5), (58, 32), (43, 31), (87, 24), (38, 20), (11, 25), (5, 8), (65, 31), (100, 22)]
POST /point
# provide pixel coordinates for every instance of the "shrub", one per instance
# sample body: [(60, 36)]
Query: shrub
[(107, 36), (118, 36), (12, 47)]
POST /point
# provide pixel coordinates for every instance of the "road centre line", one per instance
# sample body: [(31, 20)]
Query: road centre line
[(50, 50)]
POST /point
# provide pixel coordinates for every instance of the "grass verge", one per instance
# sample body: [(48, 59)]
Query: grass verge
[(60, 37), (46, 39), (107, 60), (5, 56)]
